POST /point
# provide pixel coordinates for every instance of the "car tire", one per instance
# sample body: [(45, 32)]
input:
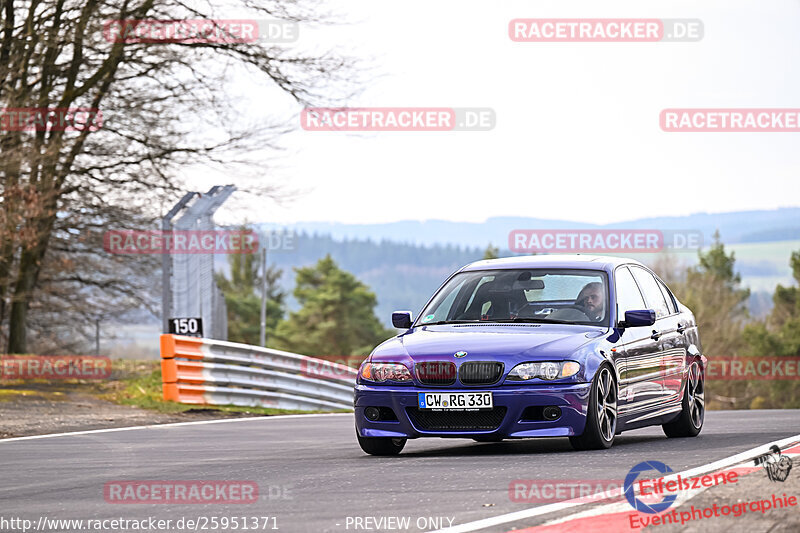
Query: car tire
[(601, 418), (690, 422), (381, 445)]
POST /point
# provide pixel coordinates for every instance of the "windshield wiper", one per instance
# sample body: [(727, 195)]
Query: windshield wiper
[(499, 321), (537, 320), (526, 320), (440, 322)]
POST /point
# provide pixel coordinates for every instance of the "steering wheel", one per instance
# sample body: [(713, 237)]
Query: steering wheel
[(576, 308)]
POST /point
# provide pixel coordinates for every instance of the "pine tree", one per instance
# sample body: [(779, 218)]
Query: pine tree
[(243, 298), (336, 315), (491, 252)]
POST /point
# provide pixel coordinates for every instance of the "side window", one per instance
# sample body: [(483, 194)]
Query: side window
[(628, 296), (668, 297), (652, 292)]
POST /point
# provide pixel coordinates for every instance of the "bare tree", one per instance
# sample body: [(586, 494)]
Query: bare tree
[(164, 107)]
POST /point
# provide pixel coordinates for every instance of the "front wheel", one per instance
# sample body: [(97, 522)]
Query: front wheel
[(690, 421), (381, 445), (601, 419)]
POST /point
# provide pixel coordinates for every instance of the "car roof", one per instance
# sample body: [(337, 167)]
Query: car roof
[(571, 261)]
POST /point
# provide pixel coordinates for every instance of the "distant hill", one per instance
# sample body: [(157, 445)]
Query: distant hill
[(735, 227), (404, 276), (405, 262)]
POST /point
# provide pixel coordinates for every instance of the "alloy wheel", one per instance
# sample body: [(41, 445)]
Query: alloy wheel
[(696, 395), (606, 404)]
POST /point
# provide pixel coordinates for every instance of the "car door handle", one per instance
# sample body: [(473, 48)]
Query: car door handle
[(681, 328), (655, 335)]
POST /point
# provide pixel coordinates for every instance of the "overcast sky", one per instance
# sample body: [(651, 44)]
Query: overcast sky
[(577, 134)]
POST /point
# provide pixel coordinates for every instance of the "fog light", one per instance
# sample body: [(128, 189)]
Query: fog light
[(551, 413), (372, 413)]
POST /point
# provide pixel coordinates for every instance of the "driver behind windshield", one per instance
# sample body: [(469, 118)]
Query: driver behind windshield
[(591, 300)]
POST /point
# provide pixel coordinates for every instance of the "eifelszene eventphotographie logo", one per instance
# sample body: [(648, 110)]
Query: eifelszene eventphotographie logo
[(630, 481), (776, 465)]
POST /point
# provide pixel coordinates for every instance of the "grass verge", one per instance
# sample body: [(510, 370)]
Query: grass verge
[(138, 383)]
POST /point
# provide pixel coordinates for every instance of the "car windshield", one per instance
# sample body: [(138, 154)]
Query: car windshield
[(521, 295)]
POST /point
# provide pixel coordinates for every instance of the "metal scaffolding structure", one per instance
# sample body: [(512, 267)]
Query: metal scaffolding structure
[(189, 289)]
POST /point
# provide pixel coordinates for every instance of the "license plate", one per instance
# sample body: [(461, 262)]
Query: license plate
[(455, 401)]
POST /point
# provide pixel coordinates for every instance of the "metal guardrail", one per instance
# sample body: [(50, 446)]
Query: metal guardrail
[(208, 371)]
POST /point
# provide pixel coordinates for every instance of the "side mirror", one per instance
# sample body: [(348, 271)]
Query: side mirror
[(401, 319), (640, 317)]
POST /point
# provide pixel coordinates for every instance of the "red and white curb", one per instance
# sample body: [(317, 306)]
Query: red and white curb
[(614, 516)]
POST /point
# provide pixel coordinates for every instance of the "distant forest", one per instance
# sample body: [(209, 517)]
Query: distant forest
[(403, 276)]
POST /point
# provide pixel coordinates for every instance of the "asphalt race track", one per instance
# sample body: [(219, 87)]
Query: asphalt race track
[(312, 475)]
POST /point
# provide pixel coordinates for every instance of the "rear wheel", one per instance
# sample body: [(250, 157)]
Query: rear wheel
[(381, 445), (601, 419), (690, 421)]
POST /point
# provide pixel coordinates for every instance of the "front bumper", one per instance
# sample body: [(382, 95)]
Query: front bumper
[(573, 399)]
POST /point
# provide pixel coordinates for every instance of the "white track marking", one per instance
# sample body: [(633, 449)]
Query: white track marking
[(577, 502), (170, 425)]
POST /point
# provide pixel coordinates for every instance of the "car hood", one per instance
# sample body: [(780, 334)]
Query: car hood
[(488, 342)]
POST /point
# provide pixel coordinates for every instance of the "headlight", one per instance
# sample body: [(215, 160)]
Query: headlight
[(548, 370), (385, 372)]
